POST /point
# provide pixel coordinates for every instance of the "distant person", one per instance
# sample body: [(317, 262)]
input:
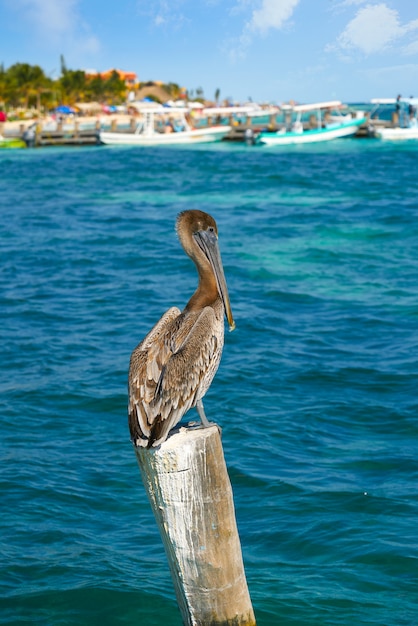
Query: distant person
[(412, 122), (3, 116), (29, 136), (397, 116)]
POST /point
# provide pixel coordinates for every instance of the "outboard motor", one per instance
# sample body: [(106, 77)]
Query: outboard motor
[(29, 136), (249, 137)]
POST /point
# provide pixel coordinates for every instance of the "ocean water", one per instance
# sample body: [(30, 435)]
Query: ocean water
[(316, 393)]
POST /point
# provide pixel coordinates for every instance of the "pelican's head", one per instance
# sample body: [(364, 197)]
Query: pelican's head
[(198, 234)]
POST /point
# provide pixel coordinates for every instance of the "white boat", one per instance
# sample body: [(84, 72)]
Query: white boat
[(396, 134), (326, 122), (407, 121), (165, 126)]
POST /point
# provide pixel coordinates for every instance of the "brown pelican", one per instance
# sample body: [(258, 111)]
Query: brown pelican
[(172, 368)]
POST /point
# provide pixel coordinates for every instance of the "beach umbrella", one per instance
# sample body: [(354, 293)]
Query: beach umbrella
[(65, 109)]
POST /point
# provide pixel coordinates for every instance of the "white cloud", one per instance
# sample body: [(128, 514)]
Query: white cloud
[(163, 13), (269, 14), (272, 14), (350, 2), (372, 29), (410, 49), (393, 72), (58, 22), (49, 16)]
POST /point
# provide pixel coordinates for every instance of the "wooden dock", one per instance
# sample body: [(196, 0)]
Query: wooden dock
[(67, 138), (37, 135)]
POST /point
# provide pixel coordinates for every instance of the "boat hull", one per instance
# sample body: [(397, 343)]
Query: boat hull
[(11, 143), (397, 134), (312, 136), (198, 135)]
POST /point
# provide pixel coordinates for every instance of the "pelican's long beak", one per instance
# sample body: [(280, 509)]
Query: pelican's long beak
[(208, 242)]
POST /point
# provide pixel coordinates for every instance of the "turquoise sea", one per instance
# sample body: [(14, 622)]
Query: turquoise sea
[(317, 393)]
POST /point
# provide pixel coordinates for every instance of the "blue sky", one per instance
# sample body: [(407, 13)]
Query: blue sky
[(269, 50)]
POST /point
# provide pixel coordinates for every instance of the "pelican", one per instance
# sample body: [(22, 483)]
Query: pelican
[(172, 368)]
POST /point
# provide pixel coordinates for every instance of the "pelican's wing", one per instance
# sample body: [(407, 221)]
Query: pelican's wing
[(184, 373), (145, 368)]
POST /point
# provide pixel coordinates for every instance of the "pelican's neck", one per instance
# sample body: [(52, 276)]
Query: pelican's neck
[(206, 293)]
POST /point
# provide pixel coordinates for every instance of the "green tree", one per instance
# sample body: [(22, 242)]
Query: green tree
[(63, 65), (73, 86), (115, 88), (24, 85), (173, 89), (2, 84), (96, 88)]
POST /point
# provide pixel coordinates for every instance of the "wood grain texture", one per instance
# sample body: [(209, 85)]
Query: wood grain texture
[(187, 483)]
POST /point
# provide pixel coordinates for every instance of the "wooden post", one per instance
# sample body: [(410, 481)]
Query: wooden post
[(191, 496), (38, 134)]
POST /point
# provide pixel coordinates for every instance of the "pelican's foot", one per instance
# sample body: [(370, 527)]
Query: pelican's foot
[(200, 424)]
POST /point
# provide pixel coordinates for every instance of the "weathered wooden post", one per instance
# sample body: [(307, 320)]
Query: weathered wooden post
[(191, 496)]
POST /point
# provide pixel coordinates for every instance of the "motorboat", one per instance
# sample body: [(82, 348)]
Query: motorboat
[(405, 122), (159, 125), (309, 123)]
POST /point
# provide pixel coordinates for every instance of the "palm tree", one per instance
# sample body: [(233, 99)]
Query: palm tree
[(73, 85), (25, 83), (173, 89)]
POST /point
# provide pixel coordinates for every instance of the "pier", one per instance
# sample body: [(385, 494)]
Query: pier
[(80, 133), (36, 134)]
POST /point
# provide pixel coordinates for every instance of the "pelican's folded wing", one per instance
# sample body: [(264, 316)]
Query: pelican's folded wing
[(187, 373), (146, 364)]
